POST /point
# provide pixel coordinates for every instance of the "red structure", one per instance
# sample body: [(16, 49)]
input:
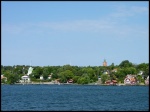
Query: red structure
[(109, 82)]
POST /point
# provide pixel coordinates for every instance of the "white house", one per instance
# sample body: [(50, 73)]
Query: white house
[(26, 78), (41, 77), (49, 77)]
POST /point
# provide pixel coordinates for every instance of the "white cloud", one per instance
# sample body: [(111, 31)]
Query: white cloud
[(79, 25), (95, 26), (123, 11), (138, 9), (109, 23), (12, 29)]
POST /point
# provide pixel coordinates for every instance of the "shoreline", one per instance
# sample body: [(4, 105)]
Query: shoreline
[(50, 83)]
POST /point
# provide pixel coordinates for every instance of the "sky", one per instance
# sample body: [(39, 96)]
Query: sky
[(78, 33)]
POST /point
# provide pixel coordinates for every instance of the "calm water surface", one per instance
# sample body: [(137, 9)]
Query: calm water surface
[(74, 97)]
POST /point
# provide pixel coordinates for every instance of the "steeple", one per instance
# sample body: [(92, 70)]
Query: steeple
[(104, 63)]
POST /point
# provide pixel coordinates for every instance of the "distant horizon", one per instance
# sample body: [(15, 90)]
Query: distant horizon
[(72, 65), (54, 33)]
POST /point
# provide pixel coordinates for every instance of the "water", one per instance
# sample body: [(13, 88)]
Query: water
[(74, 97)]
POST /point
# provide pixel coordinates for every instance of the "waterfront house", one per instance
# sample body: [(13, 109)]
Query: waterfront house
[(41, 77), (3, 78), (111, 82), (25, 78), (147, 81), (99, 80), (114, 82), (130, 80), (49, 77), (57, 81), (70, 81)]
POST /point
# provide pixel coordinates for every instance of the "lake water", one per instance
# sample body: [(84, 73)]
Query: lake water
[(74, 97)]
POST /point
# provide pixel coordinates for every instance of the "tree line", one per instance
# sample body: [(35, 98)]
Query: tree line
[(79, 74)]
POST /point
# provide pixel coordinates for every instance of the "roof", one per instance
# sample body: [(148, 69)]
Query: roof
[(114, 81), (24, 76)]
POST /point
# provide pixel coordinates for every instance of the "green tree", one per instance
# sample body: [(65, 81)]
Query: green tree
[(120, 74), (142, 66), (66, 75), (140, 79), (112, 66), (83, 80), (12, 78), (104, 77), (37, 72), (125, 63), (3, 81), (129, 70), (113, 76), (54, 76), (46, 73), (75, 79)]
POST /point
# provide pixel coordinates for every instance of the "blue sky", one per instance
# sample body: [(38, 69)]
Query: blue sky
[(76, 33)]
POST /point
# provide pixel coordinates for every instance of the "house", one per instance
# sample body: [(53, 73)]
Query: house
[(130, 80), (99, 81), (3, 78), (25, 78), (114, 82), (70, 81), (147, 81), (57, 81), (49, 77), (106, 72), (111, 82), (41, 78)]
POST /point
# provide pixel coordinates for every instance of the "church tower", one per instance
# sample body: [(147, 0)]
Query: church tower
[(104, 63)]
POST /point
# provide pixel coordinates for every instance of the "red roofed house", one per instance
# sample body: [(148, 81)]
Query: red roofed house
[(70, 81), (130, 80)]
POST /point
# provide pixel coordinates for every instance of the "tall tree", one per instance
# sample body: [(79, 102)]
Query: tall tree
[(104, 77), (125, 63)]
